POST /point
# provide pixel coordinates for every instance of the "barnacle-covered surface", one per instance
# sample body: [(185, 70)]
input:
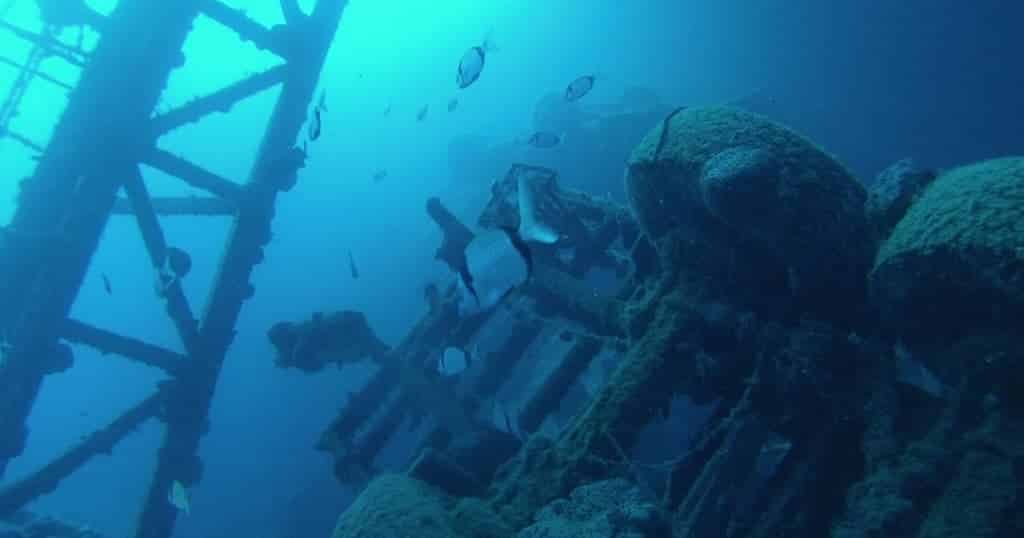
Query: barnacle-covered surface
[(955, 261)]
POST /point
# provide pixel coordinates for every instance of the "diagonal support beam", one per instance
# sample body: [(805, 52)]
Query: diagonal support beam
[(156, 245), (16, 495), (193, 174), (220, 101), (108, 342), (246, 28)]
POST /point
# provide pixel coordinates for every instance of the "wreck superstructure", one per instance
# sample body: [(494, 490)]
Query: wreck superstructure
[(746, 276), (89, 171), (741, 280)]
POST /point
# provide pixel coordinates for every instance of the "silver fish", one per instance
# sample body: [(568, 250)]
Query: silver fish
[(472, 64)]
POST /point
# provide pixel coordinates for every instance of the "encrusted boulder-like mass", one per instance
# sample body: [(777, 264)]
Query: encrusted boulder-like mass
[(955, 261), (716, 179)]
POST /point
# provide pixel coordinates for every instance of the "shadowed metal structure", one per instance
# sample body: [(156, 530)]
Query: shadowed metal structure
[(106, 132)]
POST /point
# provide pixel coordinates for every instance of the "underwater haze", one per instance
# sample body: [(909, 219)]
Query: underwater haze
[(871, 81)]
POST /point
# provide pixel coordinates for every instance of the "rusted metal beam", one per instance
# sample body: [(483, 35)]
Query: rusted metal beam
[(193, 174), (19, 493), (108, 342), (219, 101), (68, 199), (246, 28), (250, 232), (205, 206)]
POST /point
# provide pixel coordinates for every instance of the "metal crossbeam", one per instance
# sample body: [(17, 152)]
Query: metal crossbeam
[(106, 132), (48, 44), (246, 28), (219, 101), (36, 73), (193, 174), (108, 342), (67, 200)]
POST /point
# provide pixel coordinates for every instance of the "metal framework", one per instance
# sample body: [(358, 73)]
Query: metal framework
[(555, 301), (107, 131)]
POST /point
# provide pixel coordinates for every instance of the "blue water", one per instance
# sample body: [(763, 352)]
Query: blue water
[(872, 81)]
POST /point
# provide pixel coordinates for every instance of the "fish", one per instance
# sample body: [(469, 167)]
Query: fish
[(491, 272), (379, 175), (472, 64), (544, 140), (387, 110), (178, 496), (422, 114), (453, 104), (106, 284), (530, 226), (352, 266), (579, 87), (314, 125)]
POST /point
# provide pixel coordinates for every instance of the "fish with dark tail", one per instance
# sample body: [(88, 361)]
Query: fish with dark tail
[(528, 228), (106, 284)]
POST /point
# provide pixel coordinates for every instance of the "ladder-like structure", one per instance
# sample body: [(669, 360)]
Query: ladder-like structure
[(107, 131)]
